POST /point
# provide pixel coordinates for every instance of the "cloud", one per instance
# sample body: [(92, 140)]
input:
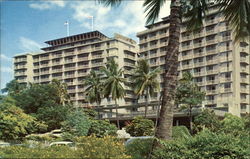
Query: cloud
[(5, 69), (127, 19), (48, 4), (29, 45), (5, 58)]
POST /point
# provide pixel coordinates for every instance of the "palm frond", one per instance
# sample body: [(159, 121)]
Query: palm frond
[(152, 9), (237, 13), (112, 3)]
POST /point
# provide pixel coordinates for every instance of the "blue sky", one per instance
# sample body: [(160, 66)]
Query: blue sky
[(26, 25)]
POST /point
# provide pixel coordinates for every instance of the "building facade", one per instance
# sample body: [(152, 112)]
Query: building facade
[(70, 59), (219, 64)]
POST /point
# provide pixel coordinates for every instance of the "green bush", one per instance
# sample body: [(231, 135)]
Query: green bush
[(140, 127), (140, 148), (205, 144), (181, 132), (86, 147), (100, 148), (101, 128)]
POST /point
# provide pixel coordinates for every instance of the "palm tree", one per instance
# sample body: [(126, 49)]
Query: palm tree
[(236, 12), (113, 84), (62, 93), (145, 81), (94, 89)]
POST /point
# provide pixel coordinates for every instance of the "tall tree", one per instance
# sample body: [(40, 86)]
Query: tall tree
[(188, 95), (145, 81), (94, 89), (113, 84), (236, 12), (61, 90), (13, 87)]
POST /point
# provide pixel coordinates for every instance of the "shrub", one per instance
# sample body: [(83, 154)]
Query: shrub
[(140, 148), (101, 128), (181, 132), (205, 144), (100, 148), (140, 127)]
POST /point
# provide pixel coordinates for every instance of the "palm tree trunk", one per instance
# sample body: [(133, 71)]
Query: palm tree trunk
[(117, 118), (164, 129), (190, 120), (98, 111), (146, 106)]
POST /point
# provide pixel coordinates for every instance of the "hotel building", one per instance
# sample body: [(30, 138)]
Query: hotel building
[(220, 65), (70, 59)]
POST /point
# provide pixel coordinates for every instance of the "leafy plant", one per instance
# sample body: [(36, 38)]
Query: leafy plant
[(101, 128), (140, 127)]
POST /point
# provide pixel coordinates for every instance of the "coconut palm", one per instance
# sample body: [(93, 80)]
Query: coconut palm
[(236, 12), (62, 93), (113, 84), (94, 89), (145, 81)]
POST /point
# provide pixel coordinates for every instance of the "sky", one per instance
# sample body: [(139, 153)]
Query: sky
[(26, 25)]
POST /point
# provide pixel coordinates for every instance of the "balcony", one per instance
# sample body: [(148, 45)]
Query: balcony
[(212, 51), (200, 83), (56, 70), (211, 82), (199, 35), (20, 73), (209, 32), (72, 83), (97, 56), (209, 22), (196, 45), (82, 66), (199, 54), (129, 64), (44, 80), (244, 90), (82, 73), (225, 48), (44, 72), (226, 90), (96, 48), (187, 66), (243, 60), (70, 76), (58, 77), (213, 61), (70, 61), (153, 38), (209, 42), (210, 102), (199, 64), (209, 92), (20, 66), (57, 63), (154, 63), (186, 38), (69, 53), (44, 65), (212, 71), (20, 60), (129, 56), (244, 70), (44, 58), (186, 47), (199, 73), (97, 64), (244, 80), (69, 68), (223, 80), (243, 100), (22, 80), (56, 55), (71, 91), (153, 55), (83, 58)]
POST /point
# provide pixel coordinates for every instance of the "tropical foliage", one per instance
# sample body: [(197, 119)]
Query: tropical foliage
[(145, 81), (140, 127), (113, 83), (94, 89), (188, 95)]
